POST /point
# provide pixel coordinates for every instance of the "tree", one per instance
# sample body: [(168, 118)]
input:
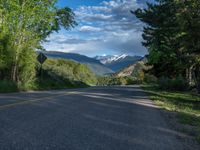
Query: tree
[(159, 36), (188, 18), (24, 25), (172, 37)]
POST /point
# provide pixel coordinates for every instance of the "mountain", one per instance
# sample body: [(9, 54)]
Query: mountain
[(95, 65), (118, 62), (133, 69), (110, 58)]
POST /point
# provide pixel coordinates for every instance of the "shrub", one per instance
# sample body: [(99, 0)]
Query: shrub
[(178, 83), (148, 78), (123, 81), (132, 80), (8, 86)]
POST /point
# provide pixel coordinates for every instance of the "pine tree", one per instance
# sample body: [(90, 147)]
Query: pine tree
[(172, 36)]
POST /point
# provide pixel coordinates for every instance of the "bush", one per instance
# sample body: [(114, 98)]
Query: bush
[(7, 86), (148, 78), (111, 80), (178, 83), (132, 80)]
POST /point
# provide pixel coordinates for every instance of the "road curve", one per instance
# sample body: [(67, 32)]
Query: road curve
[(98, 118)]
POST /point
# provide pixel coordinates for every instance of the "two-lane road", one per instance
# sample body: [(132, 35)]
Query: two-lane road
[(99, 118)]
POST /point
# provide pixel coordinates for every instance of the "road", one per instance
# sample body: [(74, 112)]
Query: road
[(98, 118)]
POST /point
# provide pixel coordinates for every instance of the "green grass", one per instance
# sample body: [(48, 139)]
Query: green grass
[(186, 104)]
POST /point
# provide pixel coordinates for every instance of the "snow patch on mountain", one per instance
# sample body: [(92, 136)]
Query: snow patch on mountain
[(106, 59)]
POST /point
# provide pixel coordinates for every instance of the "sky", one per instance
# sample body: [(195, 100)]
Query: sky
[(105, 27)]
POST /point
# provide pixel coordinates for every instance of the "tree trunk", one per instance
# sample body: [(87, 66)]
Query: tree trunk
[(197, 76), (14, 74), (189, 76)]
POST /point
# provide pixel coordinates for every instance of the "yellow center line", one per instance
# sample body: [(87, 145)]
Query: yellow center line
[(23, 102)]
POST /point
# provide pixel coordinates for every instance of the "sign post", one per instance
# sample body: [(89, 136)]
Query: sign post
[(41, 59)]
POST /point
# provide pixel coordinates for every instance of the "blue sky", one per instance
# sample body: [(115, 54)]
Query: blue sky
[(106, 27), (76, 3)]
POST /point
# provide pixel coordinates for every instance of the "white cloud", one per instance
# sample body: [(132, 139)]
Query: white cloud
[(89, 28), (108, 27)]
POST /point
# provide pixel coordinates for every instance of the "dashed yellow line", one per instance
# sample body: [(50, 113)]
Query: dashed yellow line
[(23, 102)]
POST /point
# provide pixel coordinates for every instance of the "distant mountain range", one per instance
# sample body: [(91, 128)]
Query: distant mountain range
[(100, 65), (95, 65), (118, 62)]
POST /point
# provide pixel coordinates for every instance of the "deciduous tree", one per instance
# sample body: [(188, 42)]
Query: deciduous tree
[(24, 25)]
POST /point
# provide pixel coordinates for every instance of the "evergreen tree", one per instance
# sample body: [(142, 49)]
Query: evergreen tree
[(172, 36)]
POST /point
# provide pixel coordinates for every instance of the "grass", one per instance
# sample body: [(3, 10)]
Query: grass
[(186, 104)]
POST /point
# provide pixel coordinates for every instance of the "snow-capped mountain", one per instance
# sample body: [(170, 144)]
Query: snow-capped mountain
[(110, 58), (118, 62)]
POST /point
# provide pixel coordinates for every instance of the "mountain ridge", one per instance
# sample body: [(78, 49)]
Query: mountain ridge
[(96, 66), (118, 62), (133, 69)]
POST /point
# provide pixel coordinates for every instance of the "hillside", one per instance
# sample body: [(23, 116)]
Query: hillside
[(133, 74), (132, 70), (118, 62), (56, 74), (96, 66), (62, 71)]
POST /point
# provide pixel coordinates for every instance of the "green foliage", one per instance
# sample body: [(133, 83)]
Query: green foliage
[(178, 83), (26, 65), (56, 74), (24, 25), (111, 80), (8, 86), (6, 56), (70, 71), (172, 37), (148, 78)]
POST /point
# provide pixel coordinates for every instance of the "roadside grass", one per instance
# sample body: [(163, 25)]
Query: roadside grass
[(186, 104)]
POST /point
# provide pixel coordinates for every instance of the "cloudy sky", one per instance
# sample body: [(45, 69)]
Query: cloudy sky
[(106, 27)]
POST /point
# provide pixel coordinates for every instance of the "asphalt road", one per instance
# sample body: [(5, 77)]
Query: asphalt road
[(99, 118)]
